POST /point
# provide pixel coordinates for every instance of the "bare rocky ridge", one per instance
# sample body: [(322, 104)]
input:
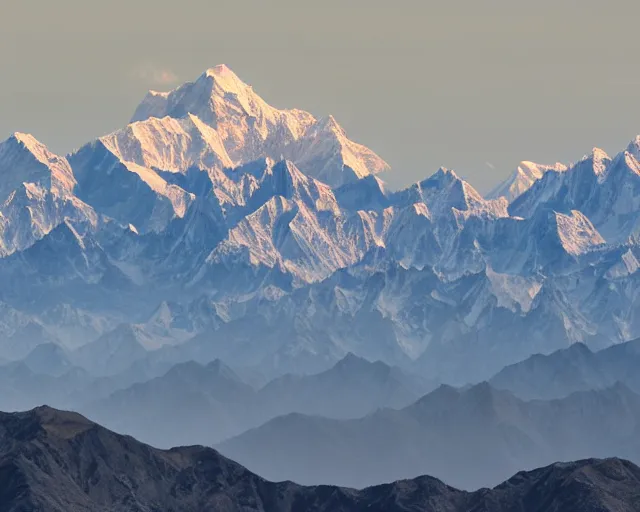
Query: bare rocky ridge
[(55, 461)]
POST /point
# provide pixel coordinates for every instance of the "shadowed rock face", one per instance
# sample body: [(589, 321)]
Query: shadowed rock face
[(54, 461)]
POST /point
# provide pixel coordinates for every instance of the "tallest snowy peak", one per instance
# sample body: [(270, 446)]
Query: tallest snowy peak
[(222, 72), (216, 96), (225, 79), (250, 129)]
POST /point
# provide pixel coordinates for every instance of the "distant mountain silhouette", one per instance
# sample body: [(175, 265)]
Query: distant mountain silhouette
[(192, 403), (468, 438), (352, 388), (23, 389), (113, 352), (49, 359), (573, 369)]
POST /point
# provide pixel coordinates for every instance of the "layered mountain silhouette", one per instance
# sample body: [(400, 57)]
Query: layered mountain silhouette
[(468, 438), (190, 404), (193, 403), (56, 461), (570, 370)]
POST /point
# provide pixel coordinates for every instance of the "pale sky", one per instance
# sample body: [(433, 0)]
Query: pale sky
[(473, 85)]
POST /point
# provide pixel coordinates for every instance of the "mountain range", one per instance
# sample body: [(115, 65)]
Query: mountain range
[(215, 226), (359, 423), (570, 370), (57, 461), (468, 438), (214, 402)]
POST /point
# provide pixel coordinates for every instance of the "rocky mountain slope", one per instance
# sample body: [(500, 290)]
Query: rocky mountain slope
[(56, 461)]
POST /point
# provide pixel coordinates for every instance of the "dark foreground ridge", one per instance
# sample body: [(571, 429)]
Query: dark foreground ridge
[(54, 461)]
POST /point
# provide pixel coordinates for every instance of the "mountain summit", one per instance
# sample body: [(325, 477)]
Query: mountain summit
[(251, 129)]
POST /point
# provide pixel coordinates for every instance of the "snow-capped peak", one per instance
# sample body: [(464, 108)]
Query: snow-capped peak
[(251, 129), (24, 159), (634, 147), (225, 78), (285, 179), (444, 176), (28, 140), (444, 191), (330, 124), (600, 160), (219, 69), (248, 126), (525, 175), (41, 153), (368, 193)]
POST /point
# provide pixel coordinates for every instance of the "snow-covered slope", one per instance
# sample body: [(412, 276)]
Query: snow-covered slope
[(325, 153), (169, 144)]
